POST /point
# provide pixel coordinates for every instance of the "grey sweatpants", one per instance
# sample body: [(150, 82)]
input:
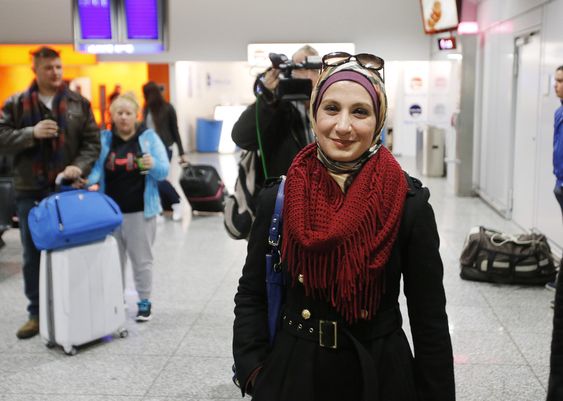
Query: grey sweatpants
[(135, 238)]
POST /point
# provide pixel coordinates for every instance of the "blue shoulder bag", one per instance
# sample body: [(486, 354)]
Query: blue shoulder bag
[(274, 276), (72, 218)]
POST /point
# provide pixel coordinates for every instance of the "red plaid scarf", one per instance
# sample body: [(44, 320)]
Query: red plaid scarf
[(340, 241), (48, 160)]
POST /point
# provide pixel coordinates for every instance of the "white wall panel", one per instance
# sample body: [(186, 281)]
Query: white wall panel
[(496, 136), (506, 20), (491, 12)]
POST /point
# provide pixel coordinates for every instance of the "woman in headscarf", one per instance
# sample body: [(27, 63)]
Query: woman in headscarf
[(353, 224)]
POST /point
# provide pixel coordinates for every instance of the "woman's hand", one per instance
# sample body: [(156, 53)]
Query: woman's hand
[(148, 161), (183, 160), (249, 388)]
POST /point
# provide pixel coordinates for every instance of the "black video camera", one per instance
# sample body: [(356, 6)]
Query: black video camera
[(290, 88)]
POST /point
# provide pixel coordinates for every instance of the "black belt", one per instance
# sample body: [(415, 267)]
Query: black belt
[(334, 334)]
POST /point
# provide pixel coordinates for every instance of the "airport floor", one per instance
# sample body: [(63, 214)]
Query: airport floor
[(501, 334)]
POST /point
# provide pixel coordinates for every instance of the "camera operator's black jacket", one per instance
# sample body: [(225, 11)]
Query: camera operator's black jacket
[(283, 134)]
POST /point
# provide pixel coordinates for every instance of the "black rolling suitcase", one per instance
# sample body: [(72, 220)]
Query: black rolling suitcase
[(203, 188)]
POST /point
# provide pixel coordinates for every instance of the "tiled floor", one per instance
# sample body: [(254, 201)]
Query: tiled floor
[(501, 334)]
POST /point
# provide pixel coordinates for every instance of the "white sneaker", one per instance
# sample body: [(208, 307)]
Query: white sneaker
[(177, 211)]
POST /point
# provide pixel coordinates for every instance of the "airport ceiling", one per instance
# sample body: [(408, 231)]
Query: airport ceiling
[(221, 29)]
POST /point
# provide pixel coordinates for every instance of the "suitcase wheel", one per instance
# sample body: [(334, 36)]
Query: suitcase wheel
[(123, 333), (49, 344), (70, 350)]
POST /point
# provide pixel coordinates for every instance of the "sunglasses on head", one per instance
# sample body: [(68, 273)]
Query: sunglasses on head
[(366, 60)]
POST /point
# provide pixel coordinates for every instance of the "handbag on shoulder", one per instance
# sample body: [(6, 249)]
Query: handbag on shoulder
[(275, 285), (493, 256)]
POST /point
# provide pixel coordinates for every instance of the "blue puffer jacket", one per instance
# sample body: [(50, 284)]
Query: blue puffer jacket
[(558, 145), (149, 142)]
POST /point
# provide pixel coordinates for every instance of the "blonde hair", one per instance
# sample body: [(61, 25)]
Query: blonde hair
[(127, 97), (308, 50)]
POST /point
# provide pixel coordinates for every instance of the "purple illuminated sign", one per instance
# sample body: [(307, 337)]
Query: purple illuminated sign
[(95, 19), (142, 19)]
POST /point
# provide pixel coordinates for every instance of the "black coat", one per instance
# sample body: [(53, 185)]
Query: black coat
[(166, 126), (282, 131), (297, 369)]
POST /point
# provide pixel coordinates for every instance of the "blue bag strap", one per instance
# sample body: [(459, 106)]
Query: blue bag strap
[(277, 217)]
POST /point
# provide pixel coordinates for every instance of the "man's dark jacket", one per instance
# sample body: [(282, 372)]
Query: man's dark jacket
[(82, 139)]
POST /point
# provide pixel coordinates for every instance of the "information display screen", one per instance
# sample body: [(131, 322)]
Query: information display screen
[(120, 26), (95, 19), (446, 44), (141, 17)]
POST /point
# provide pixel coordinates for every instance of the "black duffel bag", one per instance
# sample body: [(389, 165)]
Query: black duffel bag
[(496, 257)]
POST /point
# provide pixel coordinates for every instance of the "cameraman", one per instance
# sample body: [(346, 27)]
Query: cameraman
[(284, 125)]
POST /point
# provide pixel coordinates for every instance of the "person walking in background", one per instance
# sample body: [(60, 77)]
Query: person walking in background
[(555, 387), (112, 96), (160, 115), (50, 130), (354, 224), (132, 161), (115, 94)]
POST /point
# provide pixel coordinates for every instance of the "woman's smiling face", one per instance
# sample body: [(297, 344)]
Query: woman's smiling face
[(345, 121)]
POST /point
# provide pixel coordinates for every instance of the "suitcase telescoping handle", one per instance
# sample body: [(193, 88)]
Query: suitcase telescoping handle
[(50, 303), (190, 170)]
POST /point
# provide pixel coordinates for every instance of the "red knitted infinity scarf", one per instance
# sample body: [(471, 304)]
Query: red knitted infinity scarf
[(340, 241)]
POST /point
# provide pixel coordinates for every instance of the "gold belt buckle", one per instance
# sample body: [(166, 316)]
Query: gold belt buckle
[(328, 330)]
